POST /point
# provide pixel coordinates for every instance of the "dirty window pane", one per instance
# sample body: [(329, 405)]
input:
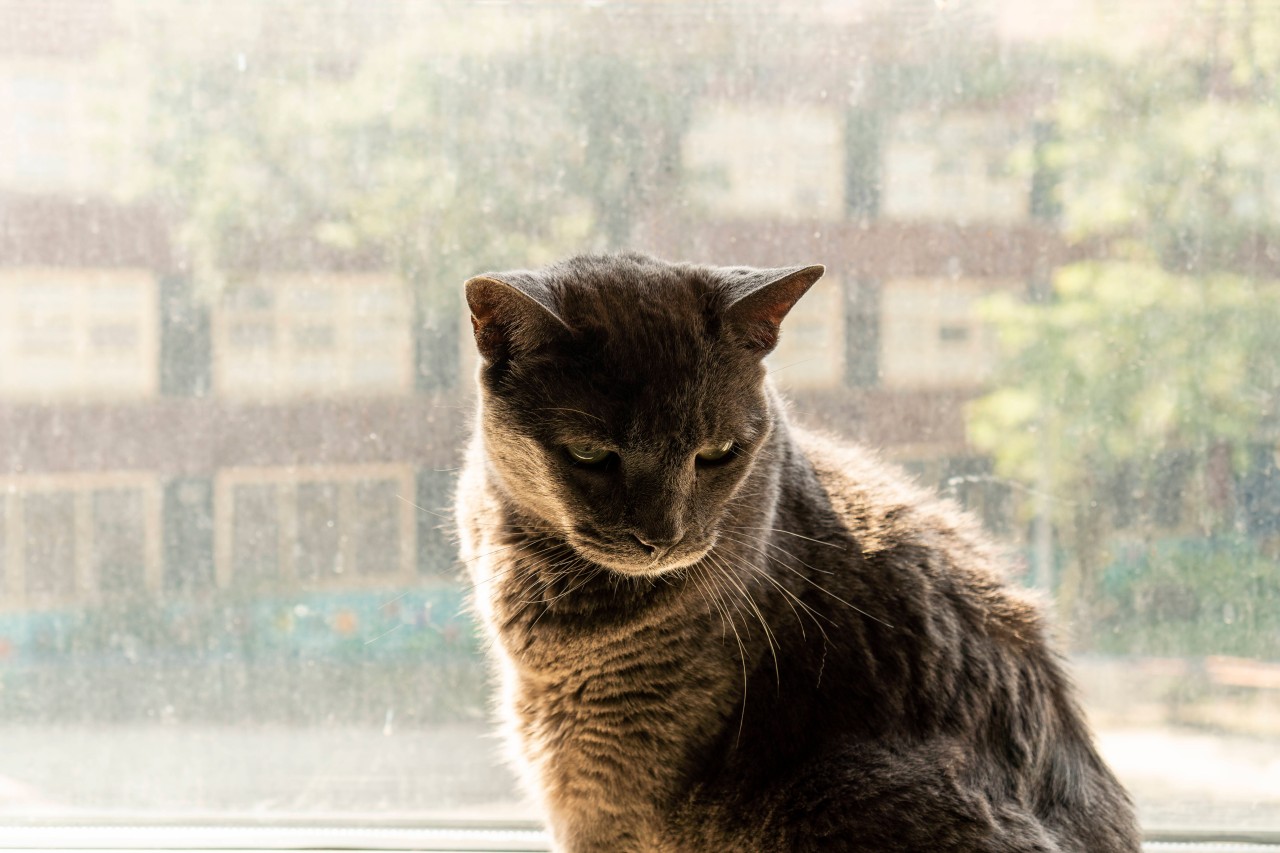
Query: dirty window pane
[(119, 541), (375, 528), (50, 557), (256, 537), (236, 371), (319, 551)]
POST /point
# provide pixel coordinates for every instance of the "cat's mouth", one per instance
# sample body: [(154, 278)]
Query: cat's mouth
[(636, 562)]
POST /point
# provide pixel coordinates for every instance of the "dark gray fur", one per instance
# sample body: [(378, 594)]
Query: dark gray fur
[(825, 658)]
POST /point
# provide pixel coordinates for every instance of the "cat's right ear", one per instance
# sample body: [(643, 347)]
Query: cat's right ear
[(762, 298), (510, 314)]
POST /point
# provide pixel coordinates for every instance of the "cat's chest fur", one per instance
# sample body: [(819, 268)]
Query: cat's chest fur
[(609, 714)]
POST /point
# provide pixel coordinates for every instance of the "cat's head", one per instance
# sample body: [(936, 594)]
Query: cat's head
[(624, 398)]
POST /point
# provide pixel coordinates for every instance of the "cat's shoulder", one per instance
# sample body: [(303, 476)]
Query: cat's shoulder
[(888, 514), (882, 500)]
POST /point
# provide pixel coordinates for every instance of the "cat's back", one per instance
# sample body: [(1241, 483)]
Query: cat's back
[(959, 654), (848, 487), (932, 583)]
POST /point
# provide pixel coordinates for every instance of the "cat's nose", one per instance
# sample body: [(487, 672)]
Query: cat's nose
[(656, 545)]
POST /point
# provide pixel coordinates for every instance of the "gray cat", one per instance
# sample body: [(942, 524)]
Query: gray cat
[(716, 631)]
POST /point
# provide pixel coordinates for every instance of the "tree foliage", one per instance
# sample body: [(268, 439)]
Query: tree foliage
[(423, 161), (1133, 386)]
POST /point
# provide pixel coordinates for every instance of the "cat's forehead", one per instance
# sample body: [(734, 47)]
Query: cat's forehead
[(639, 399), (629, 297), (649, 324), (645, 351)]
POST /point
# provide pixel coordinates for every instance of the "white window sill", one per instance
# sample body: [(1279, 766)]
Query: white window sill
[(246, 839), (507, 838)]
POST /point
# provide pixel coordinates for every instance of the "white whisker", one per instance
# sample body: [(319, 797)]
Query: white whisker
[(788, 533), (817, 585)]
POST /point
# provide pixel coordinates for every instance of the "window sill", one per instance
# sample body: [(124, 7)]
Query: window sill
[(506, 838), (514, 837)]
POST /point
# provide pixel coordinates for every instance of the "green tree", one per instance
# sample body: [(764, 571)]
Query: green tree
[(1136, 381)]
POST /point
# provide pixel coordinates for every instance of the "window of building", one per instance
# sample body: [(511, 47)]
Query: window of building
[(308, 528), (49, 558), (78, 333), (933, 334), (960, 167), (71, 540), (312, 335), (119, 541), (765, 160), (39, 135)]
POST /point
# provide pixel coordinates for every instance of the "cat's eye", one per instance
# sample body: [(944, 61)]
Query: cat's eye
[(586, 454), (716, 453)]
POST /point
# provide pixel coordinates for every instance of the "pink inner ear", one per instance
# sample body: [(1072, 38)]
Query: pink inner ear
[(488, 335), (484, 299), (773, 312), (506, 318), (761, 314), (763, 326)]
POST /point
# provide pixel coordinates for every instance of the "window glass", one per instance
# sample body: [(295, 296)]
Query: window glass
[(50, 556), (255, 536), (933, 333), (291, 335), (958, 166), (236, 370), (119, 540)]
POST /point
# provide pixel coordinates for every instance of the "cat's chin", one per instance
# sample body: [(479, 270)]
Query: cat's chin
[(639, 568)]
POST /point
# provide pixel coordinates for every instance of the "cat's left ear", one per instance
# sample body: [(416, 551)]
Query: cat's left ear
[(761, 298), (511, 313)]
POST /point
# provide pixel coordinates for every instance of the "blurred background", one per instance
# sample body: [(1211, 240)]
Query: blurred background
[(235, 368)]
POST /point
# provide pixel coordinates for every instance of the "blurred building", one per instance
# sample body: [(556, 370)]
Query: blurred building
[(280, 435), (276, 437)]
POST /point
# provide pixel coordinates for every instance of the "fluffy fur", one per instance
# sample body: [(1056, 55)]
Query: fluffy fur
[(789, 648)]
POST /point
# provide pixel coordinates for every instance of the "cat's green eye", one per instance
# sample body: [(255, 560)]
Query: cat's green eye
[(586, 454), (715, 454)]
